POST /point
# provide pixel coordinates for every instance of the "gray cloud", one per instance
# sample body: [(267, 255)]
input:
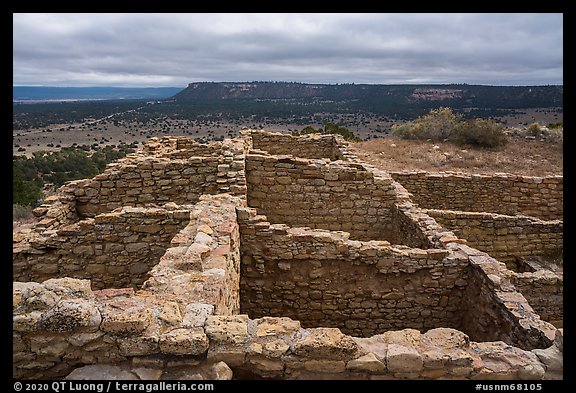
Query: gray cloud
[(176, 49)]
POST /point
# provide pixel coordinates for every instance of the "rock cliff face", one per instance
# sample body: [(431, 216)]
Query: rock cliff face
[(369, 95), (189, 261)]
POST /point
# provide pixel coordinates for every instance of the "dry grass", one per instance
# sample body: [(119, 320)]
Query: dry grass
[(533, 158)]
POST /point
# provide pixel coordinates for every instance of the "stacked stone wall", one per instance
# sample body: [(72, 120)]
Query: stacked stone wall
[(309, 146), (539, 197), (155, 176), (544, 290), (62, 325), (113, 250), (363, 288), (495, 310), (321, 194), (505, 238), (184, 320)]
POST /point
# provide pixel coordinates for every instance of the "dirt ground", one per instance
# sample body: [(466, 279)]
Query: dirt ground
[(523, 157)]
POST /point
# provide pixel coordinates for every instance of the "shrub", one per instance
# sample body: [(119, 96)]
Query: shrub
[(21, 212), (436, 125), (479, 132), (329, 128), (534, 130), (443, 125)]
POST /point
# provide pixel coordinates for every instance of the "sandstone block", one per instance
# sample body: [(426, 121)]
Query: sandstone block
[(131, 321), (445, 338), (184, 342), (270, 326), (227, 328), (368, 362), (101, 372), (403, 359), (407, 337), (196, 314), (139, 346), (68, 315), (325, 366), (326, 343), (221, 372)]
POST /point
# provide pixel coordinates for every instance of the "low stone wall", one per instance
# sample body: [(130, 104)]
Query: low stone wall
[(180, 147), (544, 290), (308, 146), (112, 249), (321, 194), (363, 288), (153, 176), (203, 264), (495, 309), (62, 325), (183, 321), (539, 197), (504, 237)]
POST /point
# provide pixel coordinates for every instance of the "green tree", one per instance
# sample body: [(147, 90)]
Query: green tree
[(24, 192)]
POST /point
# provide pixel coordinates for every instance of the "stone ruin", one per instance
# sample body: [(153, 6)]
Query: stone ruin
[(270, 256)]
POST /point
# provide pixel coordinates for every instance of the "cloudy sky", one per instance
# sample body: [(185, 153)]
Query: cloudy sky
[(139, 50)]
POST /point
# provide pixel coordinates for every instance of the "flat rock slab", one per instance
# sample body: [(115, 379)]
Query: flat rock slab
[(101, 372)]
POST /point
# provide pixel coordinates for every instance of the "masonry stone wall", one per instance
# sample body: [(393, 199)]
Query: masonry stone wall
[(321, 194), (496, 310), (62, 325), (309, 146), (186, 319), (539, 197), (171, 169), (365, 288), (504, 237), (112, 249), (544, 291), (322, 278)]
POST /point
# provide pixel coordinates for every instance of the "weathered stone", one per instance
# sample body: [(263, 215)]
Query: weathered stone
[(52, 347), (139, 346), (132, 321), (326, 343), (551, 357), (368, 362), (234, 358), (325, 366), (184, 342), (27, 322), (147, 374), (101, 372), (170, 313), (232, 329), (68, 315), (196, 314), (408, 337), (19, 288), (265, 364), (375, 345), (270, 326), (445, 338), (531, 372), (276, 348), (403, 359), (81, 339), (221, 372)]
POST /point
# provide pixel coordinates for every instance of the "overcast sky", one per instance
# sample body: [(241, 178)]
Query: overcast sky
[(140, 50)]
